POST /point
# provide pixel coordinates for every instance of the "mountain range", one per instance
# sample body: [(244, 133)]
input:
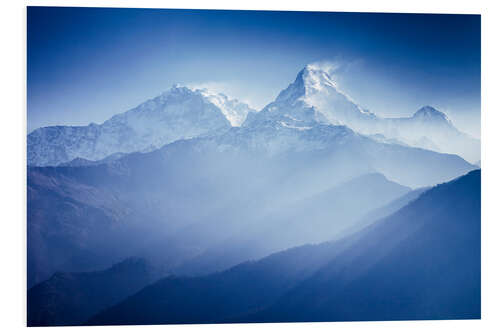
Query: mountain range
[(421, 262), (183, 113), (179, 113), (315, 97), (233, 175)]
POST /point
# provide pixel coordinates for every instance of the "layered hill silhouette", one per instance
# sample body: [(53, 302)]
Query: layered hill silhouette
[(72, 298), (228, 178), (421, 262), (321, 217)]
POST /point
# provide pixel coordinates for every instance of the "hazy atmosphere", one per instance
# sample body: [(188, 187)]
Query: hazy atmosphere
[(199, 166)]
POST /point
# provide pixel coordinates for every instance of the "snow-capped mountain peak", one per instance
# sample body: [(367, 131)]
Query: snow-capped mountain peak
[(314, 97), (312, 101), (234, 110), (310, 80), (178, 113), (315, 79), (428, 113)]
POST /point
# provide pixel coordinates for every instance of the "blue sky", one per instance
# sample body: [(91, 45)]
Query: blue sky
[(86, 64)]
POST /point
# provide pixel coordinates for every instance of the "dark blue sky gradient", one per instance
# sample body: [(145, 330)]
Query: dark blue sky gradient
[(86, 64)]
